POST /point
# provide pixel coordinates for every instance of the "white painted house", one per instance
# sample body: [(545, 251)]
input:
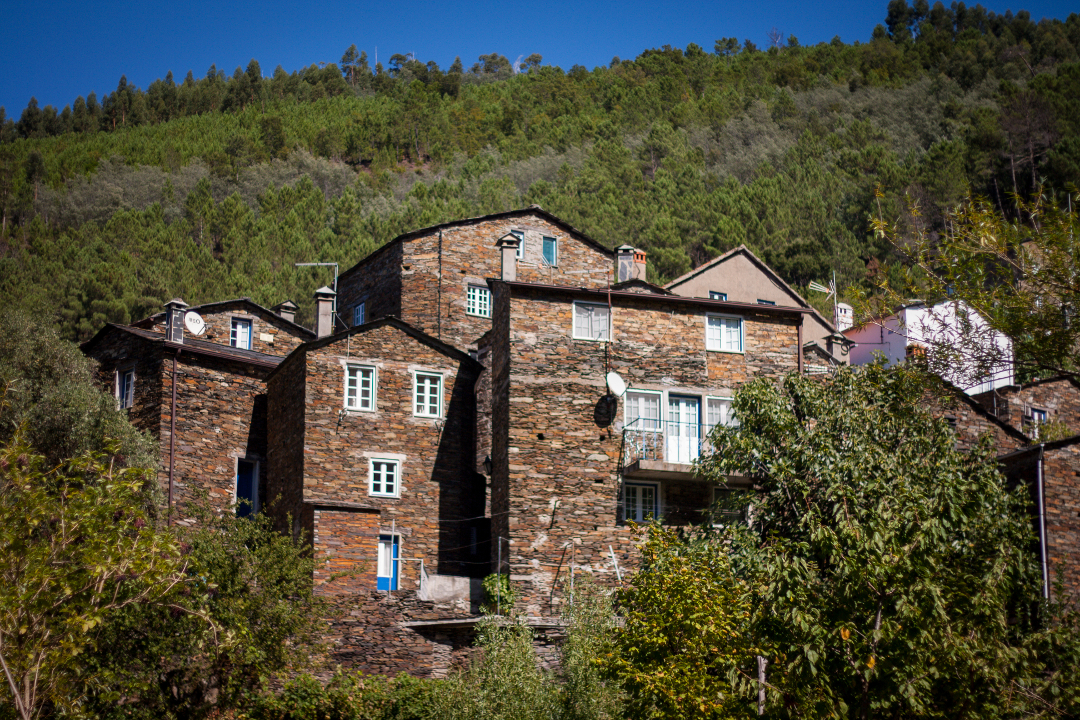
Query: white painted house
[(960, 338)]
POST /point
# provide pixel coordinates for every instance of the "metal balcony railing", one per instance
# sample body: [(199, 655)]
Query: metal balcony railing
[(665, 440)]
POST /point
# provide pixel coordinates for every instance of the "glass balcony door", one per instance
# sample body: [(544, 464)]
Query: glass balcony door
[(683, 429)]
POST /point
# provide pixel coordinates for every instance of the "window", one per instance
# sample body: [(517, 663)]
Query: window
[(427, 395), (125, 388), (724, 333), (765, 302), (359, 314), (591, 322), (247, 488), (1033, 419), (718, 412), (384, 478), (360, 388), (478, 301), (551, 251), (521, 243), (241, 334), (641, 501), (728, 507), (642, 410), (388, 560), (714, 295)]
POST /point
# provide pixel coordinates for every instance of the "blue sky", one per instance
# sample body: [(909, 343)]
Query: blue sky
[(59, 50)]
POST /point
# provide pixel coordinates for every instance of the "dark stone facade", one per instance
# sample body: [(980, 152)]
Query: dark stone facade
[(1059, 398)]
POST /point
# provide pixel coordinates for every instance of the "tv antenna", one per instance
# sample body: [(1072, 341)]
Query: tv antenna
[(335, 266), (829, 292)]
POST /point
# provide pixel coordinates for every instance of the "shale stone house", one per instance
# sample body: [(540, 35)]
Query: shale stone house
[(450, 415)]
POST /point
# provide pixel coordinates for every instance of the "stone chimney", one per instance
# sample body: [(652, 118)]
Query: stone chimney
[(175, 310), (630, 264), (286, 310), (324, 312), (509, 244)]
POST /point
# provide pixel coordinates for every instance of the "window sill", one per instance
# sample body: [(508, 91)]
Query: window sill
[(588, 339), (396, 496), (729, 352)]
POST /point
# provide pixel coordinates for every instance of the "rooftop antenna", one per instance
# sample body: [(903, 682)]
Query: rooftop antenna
[(829, 292)]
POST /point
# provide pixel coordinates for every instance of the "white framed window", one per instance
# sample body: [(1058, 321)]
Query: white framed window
[(240, 336), (724, 333), (427, 395), (643, 410), (551, 251), (125, 388), (592, 321), (478, 301), (360, 388), (384, 477), (718, 412), (520, 235), (641, 501), (359, 313), (714, 295), (387, 562), (765, 302)]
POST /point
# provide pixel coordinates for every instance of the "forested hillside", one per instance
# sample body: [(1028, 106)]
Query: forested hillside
[(214, 187)]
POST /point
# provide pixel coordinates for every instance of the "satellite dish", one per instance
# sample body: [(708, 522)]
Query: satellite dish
[(616, 385), (194, 323)]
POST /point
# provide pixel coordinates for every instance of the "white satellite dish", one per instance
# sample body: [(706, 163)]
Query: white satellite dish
[(616, 385), (194, 323)]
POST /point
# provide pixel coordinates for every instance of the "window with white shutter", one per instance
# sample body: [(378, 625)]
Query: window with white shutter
[(591, 321), (724, 333)]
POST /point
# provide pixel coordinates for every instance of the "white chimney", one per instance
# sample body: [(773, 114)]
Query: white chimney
[(509, 245), (845, 317), (324, 312), (175, 310)]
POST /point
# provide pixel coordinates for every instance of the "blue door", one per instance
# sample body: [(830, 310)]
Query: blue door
[(247, 488), (387, 572)]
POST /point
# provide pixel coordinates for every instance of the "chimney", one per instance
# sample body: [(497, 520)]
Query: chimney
[(845, 318), (509, 245), (324, 312), (175, 310), (286, 310), (630, 264)]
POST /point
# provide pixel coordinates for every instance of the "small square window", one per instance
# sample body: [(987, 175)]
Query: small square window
[(520, 235), (478, 301), (240, 337), (718, 412), (125, 388), (384, 478), (714, 295), (551, 251), (360, 388), (643, 410), (591, 322), (641, 501), (359, 314), (427, 395), (724, 333)]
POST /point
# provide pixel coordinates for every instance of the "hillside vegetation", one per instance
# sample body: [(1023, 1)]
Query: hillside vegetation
[(214, 187)]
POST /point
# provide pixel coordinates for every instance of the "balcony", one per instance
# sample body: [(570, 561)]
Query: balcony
[(663, 449)]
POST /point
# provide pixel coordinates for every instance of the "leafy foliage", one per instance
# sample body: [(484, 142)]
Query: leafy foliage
[(890, 574), (75, 553), (685, 632), (181, 190), (1019, 274)]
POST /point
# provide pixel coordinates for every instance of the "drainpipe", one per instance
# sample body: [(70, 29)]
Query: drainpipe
[(1042, 523), (798, 350), (438, 303), (172, 435)]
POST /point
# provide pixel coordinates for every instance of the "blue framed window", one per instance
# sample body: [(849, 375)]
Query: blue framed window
[(359, 314), (520, 235), (125, 388), (240, 337), (551, 251), (247, 488), (388, 562), (714, 295)]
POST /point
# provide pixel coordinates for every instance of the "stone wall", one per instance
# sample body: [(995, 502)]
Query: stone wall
[(1059, 397), (120, 351), (557, 445), (1061, 480), (270, 333), (440, 497), (424, 279), (971, 421), (220, 417), (285, 447)]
